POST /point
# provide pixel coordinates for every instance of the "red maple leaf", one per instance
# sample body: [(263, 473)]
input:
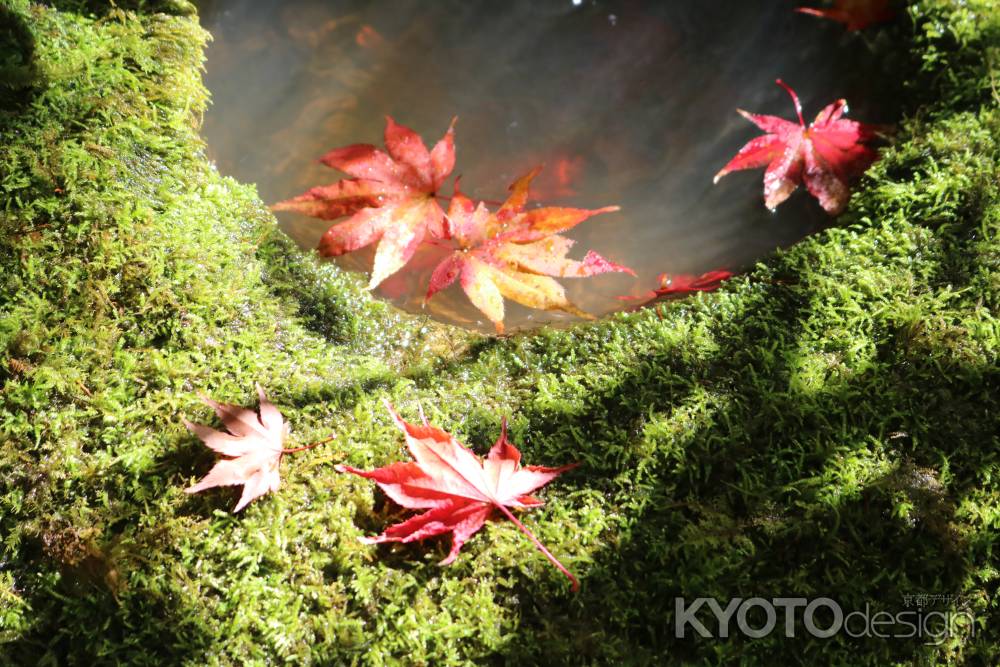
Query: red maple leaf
[(855, 14), (253, 447), (391, 197), (826, 155), (458, 489), (515, 253), (684, 283)]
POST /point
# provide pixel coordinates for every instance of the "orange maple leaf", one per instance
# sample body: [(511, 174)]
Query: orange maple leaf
[(515, 253)]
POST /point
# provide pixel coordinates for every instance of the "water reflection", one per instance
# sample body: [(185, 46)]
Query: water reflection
[(628, 103)]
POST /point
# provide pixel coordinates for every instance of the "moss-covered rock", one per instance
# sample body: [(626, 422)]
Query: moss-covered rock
[(824, 426)]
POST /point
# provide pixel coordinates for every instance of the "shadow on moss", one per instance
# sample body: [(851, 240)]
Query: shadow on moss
[(19, 72), (774, 493)]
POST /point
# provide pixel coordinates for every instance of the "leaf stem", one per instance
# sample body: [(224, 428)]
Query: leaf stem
[(795, 98), (541, 547), (305, 447)]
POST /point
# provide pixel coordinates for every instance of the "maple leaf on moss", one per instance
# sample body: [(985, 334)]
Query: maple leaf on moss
[(252, 445), (855, 14), (390, 198), (515, 253), (826, 155), (459, 490)]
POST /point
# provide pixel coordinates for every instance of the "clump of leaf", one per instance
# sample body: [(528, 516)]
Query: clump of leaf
[(392, 200)]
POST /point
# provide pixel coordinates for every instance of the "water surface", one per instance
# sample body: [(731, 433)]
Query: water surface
[(627, 103)]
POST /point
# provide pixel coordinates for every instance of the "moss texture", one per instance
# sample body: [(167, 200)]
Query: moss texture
[(824, 426)]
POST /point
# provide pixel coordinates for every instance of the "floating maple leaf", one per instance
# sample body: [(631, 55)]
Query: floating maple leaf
[(253, 447), (826, 155), (514, 252), (458, 489), (390, 198), (855, 14)]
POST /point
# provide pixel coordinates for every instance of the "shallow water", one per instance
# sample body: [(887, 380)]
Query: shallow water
[(627, 103)]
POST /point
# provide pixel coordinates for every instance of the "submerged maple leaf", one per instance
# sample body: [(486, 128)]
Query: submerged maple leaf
[(253, 446), (684, 283), (390, 198), (855, 14), (826, 155), (458, 489), (515, 253)]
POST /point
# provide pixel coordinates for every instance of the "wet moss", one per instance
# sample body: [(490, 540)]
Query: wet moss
[(825, 425)]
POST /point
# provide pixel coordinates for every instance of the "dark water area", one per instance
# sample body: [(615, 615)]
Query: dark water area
[(626, 103)]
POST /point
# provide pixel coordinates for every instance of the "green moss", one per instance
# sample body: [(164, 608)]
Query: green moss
[(826, 425)]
